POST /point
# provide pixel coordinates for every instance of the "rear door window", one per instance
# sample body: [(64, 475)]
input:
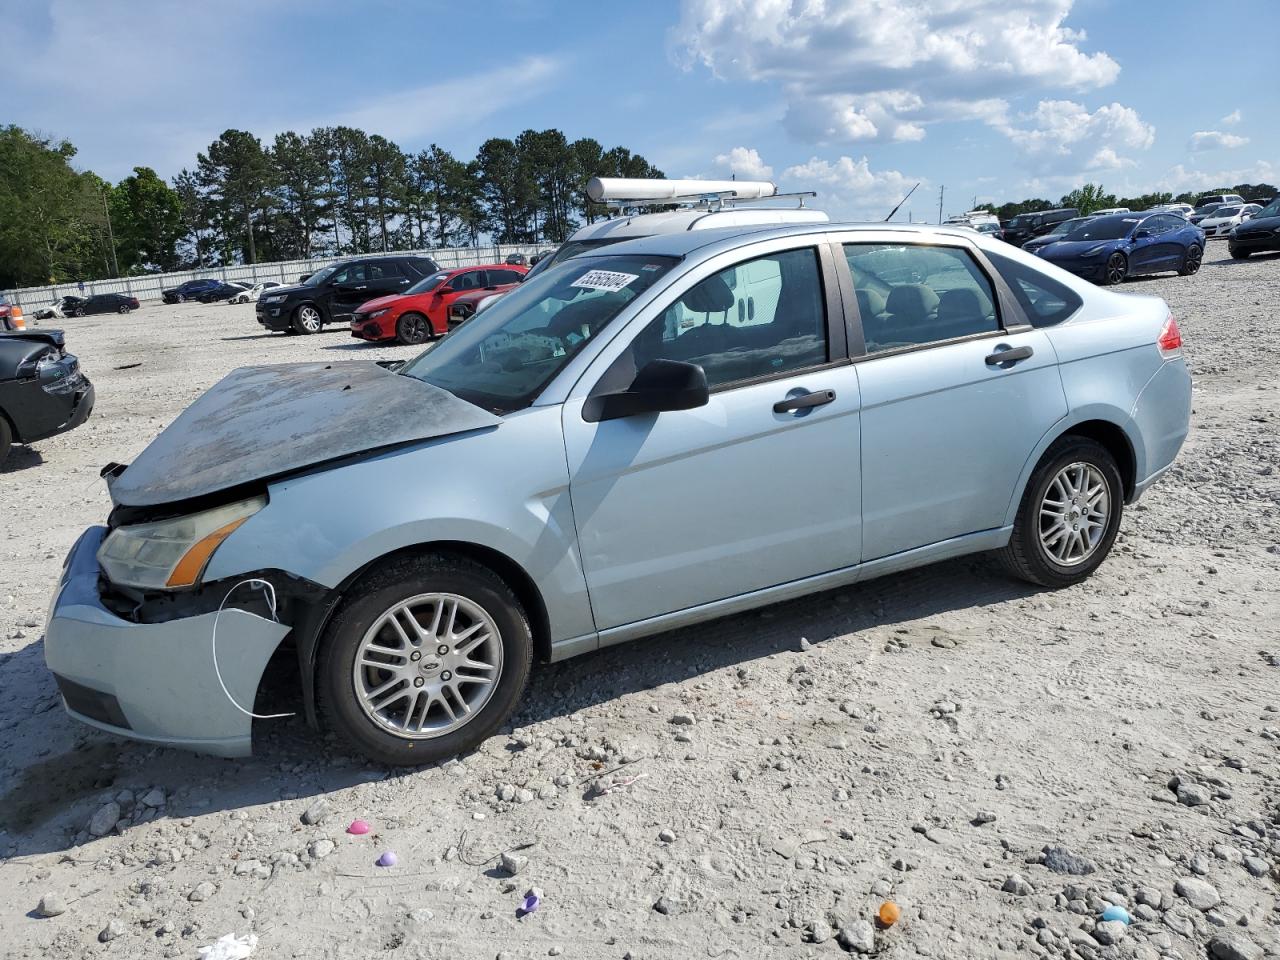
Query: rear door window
[(910, 295), (356, 273), (499, 277), (1043, 299), (384, 270)]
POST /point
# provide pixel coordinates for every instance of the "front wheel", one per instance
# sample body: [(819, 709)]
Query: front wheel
[(1116, 270), (1191, 262), (122, 308), (306, 319), (1069, 515), (78, 312), (6, 440), (1238, 254), (413, 328), (426, 659)]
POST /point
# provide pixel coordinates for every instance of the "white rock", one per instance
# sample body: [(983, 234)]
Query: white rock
[(51, 905), (104, 821)]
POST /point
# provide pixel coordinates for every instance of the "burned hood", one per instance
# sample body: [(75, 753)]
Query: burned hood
[(258, 423)]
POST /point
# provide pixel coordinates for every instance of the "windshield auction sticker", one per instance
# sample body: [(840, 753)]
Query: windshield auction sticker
[(603, 280)]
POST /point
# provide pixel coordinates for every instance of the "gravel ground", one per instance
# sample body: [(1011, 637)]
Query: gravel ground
[(1001, 763)]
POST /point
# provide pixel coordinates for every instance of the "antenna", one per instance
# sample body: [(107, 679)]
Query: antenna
[(901, 202)]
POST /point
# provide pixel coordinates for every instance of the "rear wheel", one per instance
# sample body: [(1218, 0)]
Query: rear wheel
[(78, 312), (1116, 270), (1069, 515), (123, 308), (427, 658), (306, 319), (413, 328), (1191, 262)]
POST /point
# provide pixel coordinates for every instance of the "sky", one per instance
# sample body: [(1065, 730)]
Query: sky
[(993, 100)]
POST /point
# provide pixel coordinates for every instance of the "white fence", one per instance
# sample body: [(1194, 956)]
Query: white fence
[(149, 286)]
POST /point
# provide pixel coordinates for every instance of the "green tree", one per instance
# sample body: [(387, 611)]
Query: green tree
[(147, 222), (235, 176), (303, 204), (1088, 198)]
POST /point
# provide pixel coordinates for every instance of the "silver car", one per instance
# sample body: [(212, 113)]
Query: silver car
[(657, 433)]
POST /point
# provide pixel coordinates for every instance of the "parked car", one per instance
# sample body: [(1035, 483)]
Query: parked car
[(1219, 198), (648, 435), (422, 312), (1259, 234), (517, 259), (1202, 212), (1107, 211), (42, 389), (333, 293), (11, 316), (190, 290), (99, 303), (1226, 218), (254, 292), (1184, 210), (1027, 225), (223, 291), (1053, 236), (1110, 249)]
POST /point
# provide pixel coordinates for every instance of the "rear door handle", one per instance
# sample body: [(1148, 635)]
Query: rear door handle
[(1009, 355), (804, 401)]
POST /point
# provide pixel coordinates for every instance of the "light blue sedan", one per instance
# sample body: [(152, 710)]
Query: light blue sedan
[(658, 433)]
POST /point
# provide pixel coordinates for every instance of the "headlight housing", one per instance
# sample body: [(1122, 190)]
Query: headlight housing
[(277, 299), (1094, 251), (171, 553), (377, 313)]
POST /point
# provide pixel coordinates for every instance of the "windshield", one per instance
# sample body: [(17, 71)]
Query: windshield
[(503, 357), (320, 276), (1067, 225), (1102, 228), (1024, 220), (427, 284), (1272, 209), (1207, 209), (1225, 212)]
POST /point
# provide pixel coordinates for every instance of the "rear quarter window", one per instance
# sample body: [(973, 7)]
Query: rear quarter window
[(1043, 299)]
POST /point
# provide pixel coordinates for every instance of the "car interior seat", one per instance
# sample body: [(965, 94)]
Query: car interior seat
[(962, 312), (912, 308)]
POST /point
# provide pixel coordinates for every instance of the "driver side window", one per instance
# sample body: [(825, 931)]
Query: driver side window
[(759, 318)]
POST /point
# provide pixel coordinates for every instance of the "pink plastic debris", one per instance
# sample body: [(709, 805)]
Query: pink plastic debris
[(388, 859), (359, 827)]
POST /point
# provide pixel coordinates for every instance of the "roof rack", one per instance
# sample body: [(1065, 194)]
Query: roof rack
[(623, 193)]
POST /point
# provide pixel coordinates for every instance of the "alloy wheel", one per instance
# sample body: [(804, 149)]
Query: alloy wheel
[(309, 317), (428, 665), (1074, 514), (1116, 268), (1194, 256)]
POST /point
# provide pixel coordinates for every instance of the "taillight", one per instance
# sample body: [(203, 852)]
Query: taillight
[(1169, 343)]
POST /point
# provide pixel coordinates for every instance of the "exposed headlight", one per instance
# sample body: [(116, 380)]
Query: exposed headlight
[(171, 553)]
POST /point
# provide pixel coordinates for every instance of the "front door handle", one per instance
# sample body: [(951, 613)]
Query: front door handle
[(804, 401), (1009, 355)]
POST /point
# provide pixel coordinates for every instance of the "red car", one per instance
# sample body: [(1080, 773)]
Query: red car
[(422, 311)]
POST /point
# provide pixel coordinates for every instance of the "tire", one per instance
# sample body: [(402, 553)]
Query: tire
[(122, 309), (1238, 254), (6, 439), (413, 328), (1191, 262), (78, 312), (307, 319), (1116, 270), (1027, 556), (349, 699)]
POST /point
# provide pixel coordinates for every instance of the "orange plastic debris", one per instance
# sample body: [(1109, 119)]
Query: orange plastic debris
[(889, 913)]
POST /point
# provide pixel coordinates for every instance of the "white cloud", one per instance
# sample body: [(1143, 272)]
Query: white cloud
[(1062, 138), (1215, 140), (1181, 178), (849, 188), (1231, 119), (746, 163), (882, 69)]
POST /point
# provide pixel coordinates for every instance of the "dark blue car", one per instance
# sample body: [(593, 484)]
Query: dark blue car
[(1108, 249)]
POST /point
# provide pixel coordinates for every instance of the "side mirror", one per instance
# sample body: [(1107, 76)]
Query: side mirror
[(445, 289), (660, 385), (1141, 234)]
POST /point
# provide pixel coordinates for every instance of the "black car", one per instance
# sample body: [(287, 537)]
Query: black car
[(98, 303), (223, 291), (1027, 225), (332, 294), (42, 391), (190, 290), (1258, 234)]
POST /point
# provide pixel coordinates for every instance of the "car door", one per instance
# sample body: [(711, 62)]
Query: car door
[(345, 291), (755, 489), (386, 277), (957, 390)]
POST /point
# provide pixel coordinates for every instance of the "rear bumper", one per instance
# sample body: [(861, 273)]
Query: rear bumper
[(1162, 414), (154, 682)]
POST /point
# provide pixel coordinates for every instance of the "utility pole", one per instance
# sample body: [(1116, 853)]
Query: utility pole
[(941, 192), (111, 237)]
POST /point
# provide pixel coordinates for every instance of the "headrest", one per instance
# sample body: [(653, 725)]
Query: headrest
[(870, 302), (710, 296), (912, 299)]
